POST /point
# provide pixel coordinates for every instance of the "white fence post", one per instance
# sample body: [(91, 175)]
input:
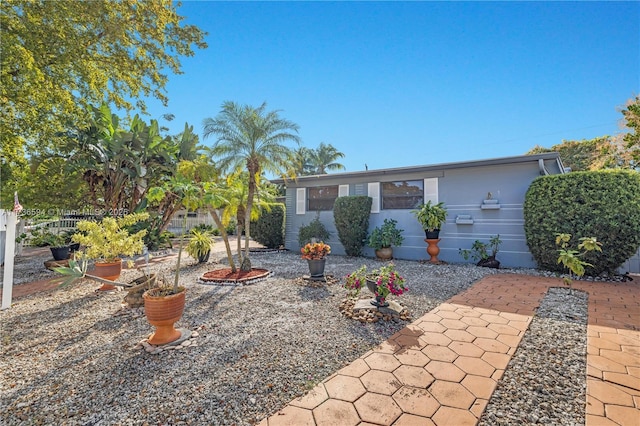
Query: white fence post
[(9, 221)]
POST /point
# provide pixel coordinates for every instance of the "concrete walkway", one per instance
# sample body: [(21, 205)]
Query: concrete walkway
[(443, 368)]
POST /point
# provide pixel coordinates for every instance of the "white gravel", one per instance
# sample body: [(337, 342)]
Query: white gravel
[(71, 356)]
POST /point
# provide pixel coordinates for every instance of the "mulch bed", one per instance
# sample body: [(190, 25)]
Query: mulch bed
[(226, 276)]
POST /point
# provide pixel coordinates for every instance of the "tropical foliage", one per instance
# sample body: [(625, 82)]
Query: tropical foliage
[(253, 139), (59, 56), (386, 278), (109, 239)]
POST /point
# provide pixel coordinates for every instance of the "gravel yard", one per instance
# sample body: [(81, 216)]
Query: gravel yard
[(72, 356)]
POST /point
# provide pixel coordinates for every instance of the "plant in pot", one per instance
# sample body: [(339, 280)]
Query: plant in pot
[(480, 252), (380, 281), (106, 241), (431, 218), (315, 254), (199, 246), (58, 246), (382, 238)]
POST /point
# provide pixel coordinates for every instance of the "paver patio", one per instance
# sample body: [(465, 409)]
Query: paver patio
[(443, 368)]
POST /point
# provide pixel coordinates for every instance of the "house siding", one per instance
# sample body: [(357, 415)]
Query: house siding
[(462, 187)]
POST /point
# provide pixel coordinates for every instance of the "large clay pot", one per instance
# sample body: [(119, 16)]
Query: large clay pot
[(316, 267), (385, 253), (162, 312), (433, 249), (108, 271)]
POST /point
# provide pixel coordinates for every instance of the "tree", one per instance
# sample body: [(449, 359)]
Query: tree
[(325, 158), (605, 152), (250, 138), (60, 56), (632, 121)]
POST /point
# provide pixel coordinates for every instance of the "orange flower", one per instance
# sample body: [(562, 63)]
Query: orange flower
[(315, 251)]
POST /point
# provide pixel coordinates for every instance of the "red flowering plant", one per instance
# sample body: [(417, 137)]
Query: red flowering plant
[(315, 251), (387, 281)]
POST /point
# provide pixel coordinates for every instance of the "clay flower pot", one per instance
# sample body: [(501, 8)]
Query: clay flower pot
[(109, 271), (163, 312)]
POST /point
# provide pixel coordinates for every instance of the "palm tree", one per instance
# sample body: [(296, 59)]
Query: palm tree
[(250, 138), (325, 158)]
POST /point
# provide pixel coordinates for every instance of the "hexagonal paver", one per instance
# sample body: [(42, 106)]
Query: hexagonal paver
[(440, 353), (431, 326), (387, 347), (378, 409), (408, 341), (380, 382), (479, 331), (380, 361), (333, 412), (474, 321), (476, 366), (416, 401), (356, 369), (412, 357), (411, 420), (448, 314), (499, 361), (292, 416), (491, 345), (311, 400), (481, 387), (460, 335), (413, 376), (345, 388), (467, 311), (504, 329), (466, 349), (452, 394), (436, 338), (448, 416), (494, 319), (453, 324), (445, 371)]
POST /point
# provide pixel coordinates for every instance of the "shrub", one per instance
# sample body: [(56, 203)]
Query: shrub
[(315, 229), (268, 230), (604, 204), (351, 216), (202, 227)]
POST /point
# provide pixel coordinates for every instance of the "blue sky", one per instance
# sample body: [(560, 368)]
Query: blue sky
[(395, 84)]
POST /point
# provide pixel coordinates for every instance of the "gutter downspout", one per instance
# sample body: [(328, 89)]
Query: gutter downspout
[(543, 170)]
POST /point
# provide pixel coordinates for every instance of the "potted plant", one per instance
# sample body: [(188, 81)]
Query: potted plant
[(58, 246), (199, 246), (431, 218), (315, 254), (383, 237), (381, 282), (480, 252), (107, 240)]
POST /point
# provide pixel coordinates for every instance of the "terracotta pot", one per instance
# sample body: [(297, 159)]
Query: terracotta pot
[(433, 249), (162, 312), (385, 253), (108, 271)]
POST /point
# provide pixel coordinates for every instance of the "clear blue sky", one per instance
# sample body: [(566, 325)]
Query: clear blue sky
[(395, 84)]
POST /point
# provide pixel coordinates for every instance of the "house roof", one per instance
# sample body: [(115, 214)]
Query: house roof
[(431, 167)]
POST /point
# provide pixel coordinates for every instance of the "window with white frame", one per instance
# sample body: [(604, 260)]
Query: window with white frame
[(321, 197), (404, 194)]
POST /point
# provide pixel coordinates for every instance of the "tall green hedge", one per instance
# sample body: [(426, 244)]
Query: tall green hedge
[(351, 216), (268, 230), (604, 204)]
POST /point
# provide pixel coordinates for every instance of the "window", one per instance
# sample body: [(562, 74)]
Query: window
[(407, 194), (322, 197)]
